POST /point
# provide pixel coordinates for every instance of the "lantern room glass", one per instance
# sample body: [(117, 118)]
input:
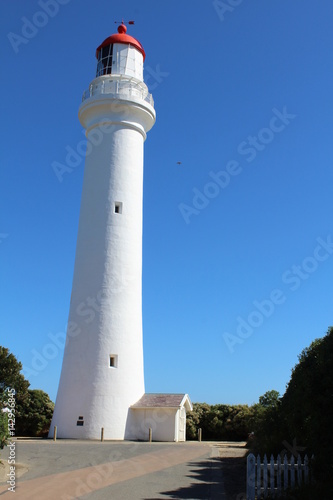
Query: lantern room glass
[(104, 62)]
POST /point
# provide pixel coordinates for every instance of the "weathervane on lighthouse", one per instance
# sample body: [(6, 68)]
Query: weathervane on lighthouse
[(122, 22)]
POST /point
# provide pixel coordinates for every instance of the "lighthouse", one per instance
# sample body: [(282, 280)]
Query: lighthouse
[(102, 374)]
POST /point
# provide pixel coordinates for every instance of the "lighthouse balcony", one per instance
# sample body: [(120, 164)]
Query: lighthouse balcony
[(129, 89)]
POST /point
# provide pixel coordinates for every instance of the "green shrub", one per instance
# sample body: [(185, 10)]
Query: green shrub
[(3, 429), (34, 417), (33, 408), (218, 422)]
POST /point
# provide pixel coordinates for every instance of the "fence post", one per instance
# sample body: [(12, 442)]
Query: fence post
[(55, 433), (102, 434), (199, 434), (299, 470), (150, 434), (258, 477), (306, 469), (278, 475), (250, 477), (292, 471), (271, 477), (265, 477), (285, 472)]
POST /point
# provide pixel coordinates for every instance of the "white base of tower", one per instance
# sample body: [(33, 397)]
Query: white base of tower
[(102, 373)]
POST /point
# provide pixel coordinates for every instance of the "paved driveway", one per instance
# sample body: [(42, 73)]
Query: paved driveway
[(66, 470)]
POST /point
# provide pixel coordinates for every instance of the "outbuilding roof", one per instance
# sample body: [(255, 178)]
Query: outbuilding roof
[(163, 401)]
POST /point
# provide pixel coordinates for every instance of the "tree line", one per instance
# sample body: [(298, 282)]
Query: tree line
[(31, 409), (299, 422)]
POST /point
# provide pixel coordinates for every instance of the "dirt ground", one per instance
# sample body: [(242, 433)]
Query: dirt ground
[(233, 459), (4, 470)]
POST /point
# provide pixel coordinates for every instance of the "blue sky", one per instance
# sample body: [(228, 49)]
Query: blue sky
[(237, 242)]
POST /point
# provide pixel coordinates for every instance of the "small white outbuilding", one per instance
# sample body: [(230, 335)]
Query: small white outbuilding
[(164, 414)]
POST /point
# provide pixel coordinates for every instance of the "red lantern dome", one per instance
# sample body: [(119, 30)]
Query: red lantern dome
[(121, 37)]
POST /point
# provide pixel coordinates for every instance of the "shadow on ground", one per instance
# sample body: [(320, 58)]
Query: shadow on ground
[(211, 478), (234, 474)]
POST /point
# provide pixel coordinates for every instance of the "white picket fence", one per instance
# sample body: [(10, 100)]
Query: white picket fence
[(271, 478)]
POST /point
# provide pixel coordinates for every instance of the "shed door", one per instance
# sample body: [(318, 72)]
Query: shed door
[(182, 425)]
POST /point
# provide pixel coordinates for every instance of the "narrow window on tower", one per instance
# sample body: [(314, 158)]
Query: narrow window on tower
[(80, 421), (118, 207), (113, 360)]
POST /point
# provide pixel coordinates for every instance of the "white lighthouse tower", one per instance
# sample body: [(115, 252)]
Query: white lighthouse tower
[(102, 372)]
